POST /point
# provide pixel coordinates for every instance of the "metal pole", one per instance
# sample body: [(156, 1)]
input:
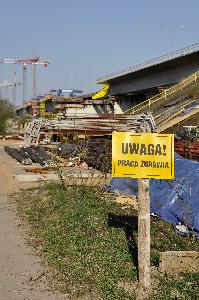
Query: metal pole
[(165, 94), (34, 87), (14, 91), (24, 83), (143, 237), (5, 92)]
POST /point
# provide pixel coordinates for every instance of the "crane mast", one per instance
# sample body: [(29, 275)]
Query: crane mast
[(24, 62), (14, 84)]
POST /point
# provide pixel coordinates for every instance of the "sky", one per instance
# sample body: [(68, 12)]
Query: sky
[(85, 39)]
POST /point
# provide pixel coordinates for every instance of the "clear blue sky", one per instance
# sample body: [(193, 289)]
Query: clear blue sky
[(88, 38)]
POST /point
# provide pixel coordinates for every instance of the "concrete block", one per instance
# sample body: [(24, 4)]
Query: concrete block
[(72, 179), (179, 261)]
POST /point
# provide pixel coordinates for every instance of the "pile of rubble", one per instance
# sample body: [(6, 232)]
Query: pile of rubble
[(95, 153), (88, 140)]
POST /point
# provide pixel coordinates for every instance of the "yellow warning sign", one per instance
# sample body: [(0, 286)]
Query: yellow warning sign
[(143, 155)]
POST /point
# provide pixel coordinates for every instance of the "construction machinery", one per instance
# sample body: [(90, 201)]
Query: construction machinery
[(71, 92), (24, 62), (7, 84)]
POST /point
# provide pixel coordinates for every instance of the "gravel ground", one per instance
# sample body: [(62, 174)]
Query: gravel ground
[(21, 273)]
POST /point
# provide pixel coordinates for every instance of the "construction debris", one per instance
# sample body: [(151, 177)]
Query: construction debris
[(70, 151), (187, 149), (188, 133), (39, 155), (28, 155), (87, 125), (95, 153), (11, 137), (99, 155), (16, 154), (42, 170)]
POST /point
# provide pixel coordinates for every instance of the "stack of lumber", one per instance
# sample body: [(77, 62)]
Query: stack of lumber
[(103, 123), (90, 125)]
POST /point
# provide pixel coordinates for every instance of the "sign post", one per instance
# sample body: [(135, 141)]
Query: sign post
[(143, 156), (144, 236)]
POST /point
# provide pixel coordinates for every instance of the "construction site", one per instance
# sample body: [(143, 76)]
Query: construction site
[(166, 103), (65, 137)]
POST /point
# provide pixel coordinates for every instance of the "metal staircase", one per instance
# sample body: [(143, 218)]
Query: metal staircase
[(172, 105)]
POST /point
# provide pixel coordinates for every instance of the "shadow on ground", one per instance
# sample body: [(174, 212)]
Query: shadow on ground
[(130, 225)]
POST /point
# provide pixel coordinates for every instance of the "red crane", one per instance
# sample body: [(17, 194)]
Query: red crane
[(30, 61)]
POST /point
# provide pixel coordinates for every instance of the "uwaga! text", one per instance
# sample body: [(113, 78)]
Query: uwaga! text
[(157, 150)]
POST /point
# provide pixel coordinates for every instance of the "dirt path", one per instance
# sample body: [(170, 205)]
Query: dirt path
[(21, 273)]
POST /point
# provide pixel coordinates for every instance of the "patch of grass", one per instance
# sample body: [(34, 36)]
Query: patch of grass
[(184, 288), (90, 242), (77, 242), (164, 238)]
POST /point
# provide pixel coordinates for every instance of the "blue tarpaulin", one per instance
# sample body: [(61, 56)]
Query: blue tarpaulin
[(176, 201)]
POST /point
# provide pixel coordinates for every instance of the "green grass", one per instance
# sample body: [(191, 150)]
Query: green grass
[(164, 238), (83, 236), (184, 288)]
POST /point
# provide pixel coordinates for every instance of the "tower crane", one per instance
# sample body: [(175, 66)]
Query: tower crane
[(24, 62), (7, 84)]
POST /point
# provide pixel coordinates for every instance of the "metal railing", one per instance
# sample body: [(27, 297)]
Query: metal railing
[(164, 95), (149, 63)]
